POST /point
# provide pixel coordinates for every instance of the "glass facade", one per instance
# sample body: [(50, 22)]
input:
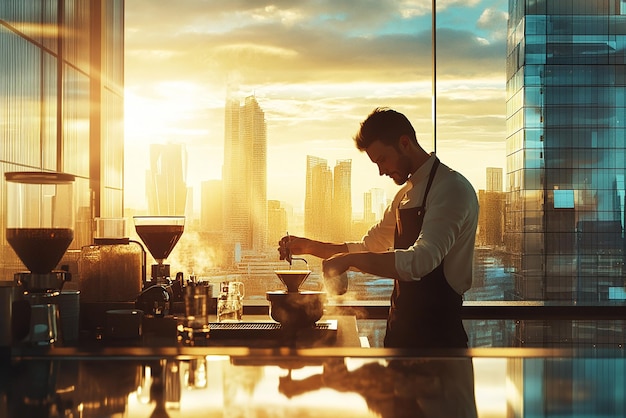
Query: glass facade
[(565, 150), (61, 95)]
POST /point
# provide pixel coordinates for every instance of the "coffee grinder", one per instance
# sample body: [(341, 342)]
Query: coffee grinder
[(39, 228), (160, 235)]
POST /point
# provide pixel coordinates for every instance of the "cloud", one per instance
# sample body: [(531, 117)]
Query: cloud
[(331, 43), (494, 21), (462, 54), (317, 67), (285, 46), (207, 15)]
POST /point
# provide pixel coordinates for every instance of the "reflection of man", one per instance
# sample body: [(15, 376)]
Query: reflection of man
[(425, 240), (402, 388)]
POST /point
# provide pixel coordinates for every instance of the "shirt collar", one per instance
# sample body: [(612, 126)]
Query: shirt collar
[(423, 171)]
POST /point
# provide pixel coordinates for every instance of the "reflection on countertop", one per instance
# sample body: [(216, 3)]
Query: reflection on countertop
[(398, 387), (283, 382), (221, 386)]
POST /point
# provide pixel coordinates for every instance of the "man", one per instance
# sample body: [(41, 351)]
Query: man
[(425, 240)]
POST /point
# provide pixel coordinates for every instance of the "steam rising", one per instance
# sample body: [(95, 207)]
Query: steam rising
[(194, 254)]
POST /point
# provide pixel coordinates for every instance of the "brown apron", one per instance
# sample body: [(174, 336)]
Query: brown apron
[(424, 313)]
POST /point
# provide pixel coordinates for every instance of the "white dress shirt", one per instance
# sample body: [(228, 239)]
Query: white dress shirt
[(449, 228)]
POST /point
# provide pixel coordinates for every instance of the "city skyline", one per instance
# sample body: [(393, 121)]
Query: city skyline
[(317, 73)]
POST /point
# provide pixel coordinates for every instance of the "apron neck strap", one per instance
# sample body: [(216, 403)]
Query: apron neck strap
[(431, 176)]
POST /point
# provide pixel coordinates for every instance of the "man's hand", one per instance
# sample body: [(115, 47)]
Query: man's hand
[(335, 273), (291, 245)]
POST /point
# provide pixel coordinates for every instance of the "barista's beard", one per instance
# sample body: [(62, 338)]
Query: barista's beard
[(404, 170)]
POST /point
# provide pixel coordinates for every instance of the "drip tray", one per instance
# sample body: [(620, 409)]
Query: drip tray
[(323, 331), (262, 329)]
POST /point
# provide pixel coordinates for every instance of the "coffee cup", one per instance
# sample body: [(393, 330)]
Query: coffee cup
[(336, 284)]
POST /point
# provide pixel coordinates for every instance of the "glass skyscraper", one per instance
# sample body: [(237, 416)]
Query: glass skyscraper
[(564, 228), (341, 204), (318, 198), (245, 175), (166, 181), (566, 152), (61, 103)]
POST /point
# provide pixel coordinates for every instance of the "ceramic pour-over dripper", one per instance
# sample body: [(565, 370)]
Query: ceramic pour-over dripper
[(292, 279)]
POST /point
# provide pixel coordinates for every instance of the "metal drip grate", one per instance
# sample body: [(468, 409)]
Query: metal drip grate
[(237, 330), (224, 326), (321, 325)]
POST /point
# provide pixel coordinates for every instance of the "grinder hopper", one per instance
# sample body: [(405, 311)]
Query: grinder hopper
[(160, 235)]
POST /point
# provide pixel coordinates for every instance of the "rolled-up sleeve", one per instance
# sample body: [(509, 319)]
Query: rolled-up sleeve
[(448, 230)]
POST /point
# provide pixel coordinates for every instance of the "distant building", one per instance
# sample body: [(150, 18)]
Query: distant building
[(341, 205), (374, 204), (211, 202), (318, 198), (166, 180), (379, 202), (276, 221), (328, 199), (491, 218), (245, 175), (368, 213), (494, 179)]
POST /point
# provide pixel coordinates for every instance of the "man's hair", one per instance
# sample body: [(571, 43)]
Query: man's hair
[(385, 125)]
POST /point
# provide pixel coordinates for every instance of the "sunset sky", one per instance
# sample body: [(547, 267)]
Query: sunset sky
[(317, 68)]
